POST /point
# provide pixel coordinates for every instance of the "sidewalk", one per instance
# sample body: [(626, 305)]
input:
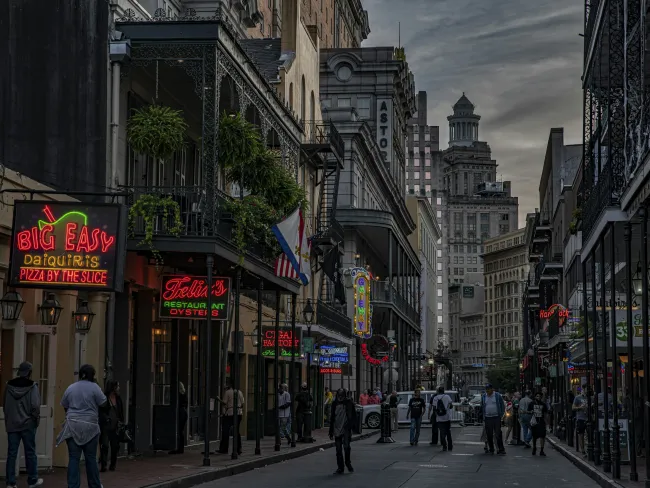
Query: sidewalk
[(184, 470), (597, 473)]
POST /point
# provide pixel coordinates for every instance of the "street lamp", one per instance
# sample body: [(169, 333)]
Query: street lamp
[(431, 362), (253, 336), (83, 318), (637, 281), (308, 316), (11, 305), (50, 310)]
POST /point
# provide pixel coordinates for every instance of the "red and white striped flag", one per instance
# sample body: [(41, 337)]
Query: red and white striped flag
[(284, 268)]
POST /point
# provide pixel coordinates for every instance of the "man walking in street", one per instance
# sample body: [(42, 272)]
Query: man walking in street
[(393, 401), (303, 405), (441, 405), (524, 418), (342, 420), (493, 409), (579, 407), (22, 405), (228, 420), (416, 409), (284, 412)]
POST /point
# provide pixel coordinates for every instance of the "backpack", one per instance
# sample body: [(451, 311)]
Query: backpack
[(441, 411)]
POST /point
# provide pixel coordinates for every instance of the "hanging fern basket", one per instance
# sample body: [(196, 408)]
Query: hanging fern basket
[(156, 130)]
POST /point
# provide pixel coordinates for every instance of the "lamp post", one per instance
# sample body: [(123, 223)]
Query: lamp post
[(431, 362), (11, 305), (83, 318), (50, 310), (308, 316)]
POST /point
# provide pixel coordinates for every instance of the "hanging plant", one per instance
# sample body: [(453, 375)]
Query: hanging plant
[(573, 227), (253, 219), (239, 142), (577, 213), (152, 207), (156, 130)]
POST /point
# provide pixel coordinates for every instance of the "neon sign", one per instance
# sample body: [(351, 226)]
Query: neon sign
[(362, 307), (372, 360), (187, 297), (68, 245), (555, 310), (285, 341), (331, 371)]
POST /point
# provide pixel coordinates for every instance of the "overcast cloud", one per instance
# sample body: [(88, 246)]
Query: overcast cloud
[(518, 61)]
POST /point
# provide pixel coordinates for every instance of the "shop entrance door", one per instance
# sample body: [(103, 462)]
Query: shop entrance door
[(40, 350), (36, 344)]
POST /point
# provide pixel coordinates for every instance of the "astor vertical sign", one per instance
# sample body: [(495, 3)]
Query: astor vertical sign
[(385, 128), (71, 245)]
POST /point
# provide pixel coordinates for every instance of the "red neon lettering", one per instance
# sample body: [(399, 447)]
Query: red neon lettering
[(47, 240), (83, 244), (70, 229), (192, 288), (39, 275), (107, 241), (23, 240)]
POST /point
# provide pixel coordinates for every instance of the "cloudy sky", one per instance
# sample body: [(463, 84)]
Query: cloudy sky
[(518, 61)]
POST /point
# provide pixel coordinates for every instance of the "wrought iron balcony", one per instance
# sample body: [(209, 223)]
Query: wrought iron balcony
[(552, 264), (600, 197), (321, 136), (331, 318), (381, 292)]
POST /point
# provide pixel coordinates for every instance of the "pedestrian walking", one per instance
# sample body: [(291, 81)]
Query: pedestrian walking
[(228, 420), (416, 408), (364, 397), (539, 408), (182, 420), (493, 409), (82, 402), (525, 417), (342, 421), (22, 406), (284, 412), (393, 401), (579, 408), (304, 402), (443, 405), (112, 424), (329, 398), (509, 421)]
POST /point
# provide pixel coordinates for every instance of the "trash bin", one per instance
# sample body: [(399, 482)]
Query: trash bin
[(359, 427)]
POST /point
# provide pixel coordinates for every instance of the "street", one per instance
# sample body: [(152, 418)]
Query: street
[(404, 466)]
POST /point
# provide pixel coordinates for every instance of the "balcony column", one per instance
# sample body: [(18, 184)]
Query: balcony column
[(399, 269), (594, 323), (390, 311)]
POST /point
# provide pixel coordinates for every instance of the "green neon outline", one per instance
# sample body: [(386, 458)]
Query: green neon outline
[(42, 223)]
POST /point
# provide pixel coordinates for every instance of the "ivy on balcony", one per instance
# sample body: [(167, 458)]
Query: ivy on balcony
[(273, 191)]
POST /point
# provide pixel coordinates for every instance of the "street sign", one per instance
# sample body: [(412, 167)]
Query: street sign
[(307, 345)]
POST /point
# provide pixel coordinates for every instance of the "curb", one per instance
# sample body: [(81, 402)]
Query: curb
[(595, 474), (219, 473)]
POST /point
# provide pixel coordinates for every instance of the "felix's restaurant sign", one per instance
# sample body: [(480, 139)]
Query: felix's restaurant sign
[(68, 245), (186, 297)]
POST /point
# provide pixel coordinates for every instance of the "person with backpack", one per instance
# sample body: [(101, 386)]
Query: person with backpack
[(443, 405), (416, 409)]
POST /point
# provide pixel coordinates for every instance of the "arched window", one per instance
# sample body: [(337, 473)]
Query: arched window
[(303, 99), (312, 107), (291, 95)]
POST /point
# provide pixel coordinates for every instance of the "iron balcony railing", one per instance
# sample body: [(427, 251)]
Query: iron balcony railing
[(323, 132), (383, 292), (331, 318), (196, 218), (599, 198)]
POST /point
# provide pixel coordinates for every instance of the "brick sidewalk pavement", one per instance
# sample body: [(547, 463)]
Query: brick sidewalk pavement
[(163, 470)]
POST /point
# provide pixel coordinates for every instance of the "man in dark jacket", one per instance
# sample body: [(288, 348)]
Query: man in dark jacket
[(343, 419), (22, 405), (304, 402)]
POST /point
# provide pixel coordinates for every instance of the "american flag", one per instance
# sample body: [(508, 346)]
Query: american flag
[(283, 267)]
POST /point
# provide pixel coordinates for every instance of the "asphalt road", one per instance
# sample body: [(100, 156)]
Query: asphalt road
[(401, 465)]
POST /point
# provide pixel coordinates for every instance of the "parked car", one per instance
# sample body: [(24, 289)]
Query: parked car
[(372, 413)]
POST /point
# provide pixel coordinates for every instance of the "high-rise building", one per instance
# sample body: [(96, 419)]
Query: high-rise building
[(423, 177), (506, 270), (478, 206)]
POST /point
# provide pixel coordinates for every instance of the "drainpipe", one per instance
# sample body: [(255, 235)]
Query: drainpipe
[(120, 52)]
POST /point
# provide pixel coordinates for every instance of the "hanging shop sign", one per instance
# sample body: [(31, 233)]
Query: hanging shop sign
[(68, 245), (333, 355), (362, 307), (556, 310), (365, 352), (285, 342), (185, 296)]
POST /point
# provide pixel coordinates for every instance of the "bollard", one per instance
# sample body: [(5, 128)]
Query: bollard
[(569, 430), (384, 422)]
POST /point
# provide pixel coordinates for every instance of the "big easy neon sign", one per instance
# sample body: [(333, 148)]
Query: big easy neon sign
[(68, 245), (187, 297)]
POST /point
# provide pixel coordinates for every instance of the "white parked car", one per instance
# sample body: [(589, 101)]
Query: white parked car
[(372, 415)]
